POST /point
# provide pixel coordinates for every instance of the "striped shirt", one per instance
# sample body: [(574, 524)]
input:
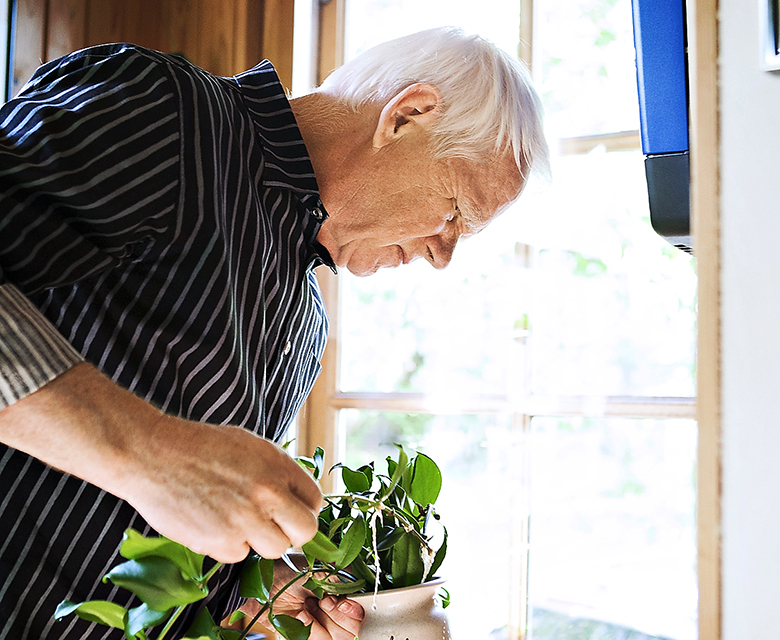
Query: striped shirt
[(160, 223)]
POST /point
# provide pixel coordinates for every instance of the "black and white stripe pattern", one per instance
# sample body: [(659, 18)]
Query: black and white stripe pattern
[(164, 222), (32, 352)]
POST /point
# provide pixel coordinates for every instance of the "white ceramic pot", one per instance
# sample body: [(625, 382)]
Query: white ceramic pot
[(408, 613)]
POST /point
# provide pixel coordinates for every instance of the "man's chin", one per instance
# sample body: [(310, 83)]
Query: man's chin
[(363, 270)]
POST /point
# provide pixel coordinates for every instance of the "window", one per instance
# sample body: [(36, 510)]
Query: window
[(5, 48), (550, 368)]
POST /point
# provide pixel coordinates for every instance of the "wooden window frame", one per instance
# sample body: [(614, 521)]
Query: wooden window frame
[(318, 424)]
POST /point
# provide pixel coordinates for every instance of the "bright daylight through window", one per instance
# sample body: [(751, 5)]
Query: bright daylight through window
[(549, 369)]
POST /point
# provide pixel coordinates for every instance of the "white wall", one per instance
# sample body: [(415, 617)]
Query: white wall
[(750, 174)]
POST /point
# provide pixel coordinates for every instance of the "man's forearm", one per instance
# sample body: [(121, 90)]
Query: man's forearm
[(217, 489), (78, 423)]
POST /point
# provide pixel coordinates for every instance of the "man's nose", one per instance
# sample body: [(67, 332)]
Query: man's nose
[(442, 250)]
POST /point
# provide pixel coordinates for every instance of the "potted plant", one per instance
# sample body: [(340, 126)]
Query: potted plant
[(380, 538)]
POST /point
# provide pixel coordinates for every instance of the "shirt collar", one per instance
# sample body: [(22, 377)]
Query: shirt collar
[(286, 160)]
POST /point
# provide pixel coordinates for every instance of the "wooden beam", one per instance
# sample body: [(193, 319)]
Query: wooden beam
[(331, 35), (29, 41), (705, 208), (525, 47), (248, 35), (317, 421), (534, 405), (183, 28), (278, 25), (620, 141), (66, 27)]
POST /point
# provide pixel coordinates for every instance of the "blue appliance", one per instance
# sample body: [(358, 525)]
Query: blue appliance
[(662, 81)]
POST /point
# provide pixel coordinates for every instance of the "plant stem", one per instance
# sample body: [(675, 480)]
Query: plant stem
[(379, 505), (269, 605), (171, 620), (174, 616), (210, 573)]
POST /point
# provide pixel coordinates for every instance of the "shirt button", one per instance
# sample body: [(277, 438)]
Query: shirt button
[(287, 349), (317, 213)]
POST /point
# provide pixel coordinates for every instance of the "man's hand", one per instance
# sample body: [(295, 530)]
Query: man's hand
[(216, 489), (332, 618)]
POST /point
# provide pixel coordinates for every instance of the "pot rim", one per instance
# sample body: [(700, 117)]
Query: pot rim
[(369, 595)]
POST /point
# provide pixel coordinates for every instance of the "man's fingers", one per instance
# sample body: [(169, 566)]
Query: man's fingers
[(226, 554), (297, 522), (341, 609), (268, 540), (340, 618), (306, 489), (296, 514)]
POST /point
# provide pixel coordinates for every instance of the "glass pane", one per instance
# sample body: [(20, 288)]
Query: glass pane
[(440, 332), (611, 305), (613, 546), (614, 304), (585, 54), (475, 456), (401, 17)]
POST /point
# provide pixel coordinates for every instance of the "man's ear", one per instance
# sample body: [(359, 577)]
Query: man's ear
[(418, 104)]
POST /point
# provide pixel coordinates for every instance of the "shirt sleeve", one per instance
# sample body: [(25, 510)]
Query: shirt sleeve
[(32, 352), (89, 174)]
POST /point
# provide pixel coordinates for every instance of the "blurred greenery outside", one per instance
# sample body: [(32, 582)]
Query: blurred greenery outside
[(609, 309)]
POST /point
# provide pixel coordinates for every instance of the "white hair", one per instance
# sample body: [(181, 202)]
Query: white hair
[(489, 105)]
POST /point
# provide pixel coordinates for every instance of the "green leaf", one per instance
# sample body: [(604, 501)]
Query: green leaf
[(352, 542), (236, 616), (439, 557), (444, 596), (398, 470), (386, 537), (426, 481), (322, 548), (368, 471), (355, 481), (291, 628), (407, 562), (141, 618), (341, 588), (336, 525), (257, 578), (136, 546), (157, 581), (319, 462), (307, 463), (315, 464), (316, 589), (203, 627), (100, 611), (361, 570)]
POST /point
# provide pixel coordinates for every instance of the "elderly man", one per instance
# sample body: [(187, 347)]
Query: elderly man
[(160, 321)]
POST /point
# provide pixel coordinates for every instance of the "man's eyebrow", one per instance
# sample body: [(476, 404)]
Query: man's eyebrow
[(467, 212)]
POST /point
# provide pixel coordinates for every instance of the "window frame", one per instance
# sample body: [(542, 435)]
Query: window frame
[(319, 418)]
